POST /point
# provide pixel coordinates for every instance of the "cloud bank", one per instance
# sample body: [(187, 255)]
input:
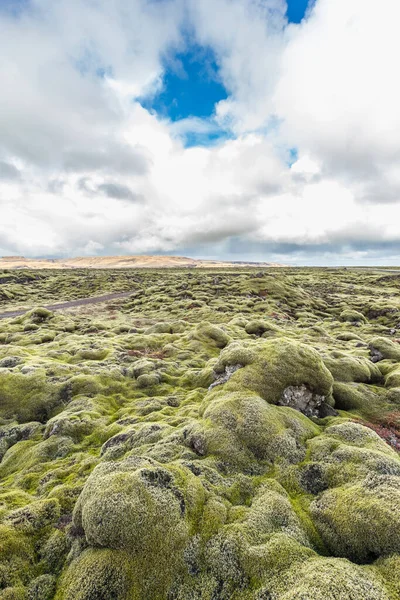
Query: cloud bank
[(308, 172)]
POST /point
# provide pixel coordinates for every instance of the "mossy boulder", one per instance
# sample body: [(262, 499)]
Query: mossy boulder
[(384, 348), (360, 521), (258, 327), (358, 435), (98, 573), (35, 516), (211, 335), (352, 316), (328, 579), (283, 365), (233, 355), (244, 429), (16, 557), (148, 380), (344, 454), (29, 397), (367, 400), (38, 315), (353, 368), (78, 420), (348, 336), (53, 552), (270, 513), (392, 379), (42, 588), (26, 454), (139, 510)]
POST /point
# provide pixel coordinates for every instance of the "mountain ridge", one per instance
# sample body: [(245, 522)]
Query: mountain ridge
[(123, 262)]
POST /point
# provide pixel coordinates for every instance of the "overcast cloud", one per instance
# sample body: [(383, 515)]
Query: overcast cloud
[(85, 169)]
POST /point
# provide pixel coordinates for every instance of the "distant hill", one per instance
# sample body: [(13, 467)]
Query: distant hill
[(122, 262)]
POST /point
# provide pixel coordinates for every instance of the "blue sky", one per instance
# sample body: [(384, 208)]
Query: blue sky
[(192, 85), (296, 10), (13, 6)]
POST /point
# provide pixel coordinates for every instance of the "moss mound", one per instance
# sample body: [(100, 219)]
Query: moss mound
[(352, 316), (360, 521), (329, 579), (386, 348), (141, 511), (279, 364), (215, 435), (245, 429), (98, 573)]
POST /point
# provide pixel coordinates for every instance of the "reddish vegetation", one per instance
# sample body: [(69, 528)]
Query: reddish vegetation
[(388, 428)]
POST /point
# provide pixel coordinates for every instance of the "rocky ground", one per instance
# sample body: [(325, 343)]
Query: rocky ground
[(215, 435)]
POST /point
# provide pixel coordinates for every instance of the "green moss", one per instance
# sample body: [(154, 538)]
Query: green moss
[(35, 516), (199, 494), (53, 552), (235, 354), (16, 557), (353, 368), (328, 579), (273, 559), (392, 379), (77, 421), (360, 521), (14, 593), (368, 401), (98, 573), (281, 364), (271, 512), (386, 348), (245, 429), (354, 433), (26, 454), (211, 335), (38, 315), (393, 396), (85, 385), (148, 380), (389, 569), (346, 453), (27, 397), (348, 336), (42, 588), (92, 353), (142, 511), (352, 316), (259, 327)]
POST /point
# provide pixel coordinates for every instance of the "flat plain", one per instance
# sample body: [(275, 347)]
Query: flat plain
[(205, 434)]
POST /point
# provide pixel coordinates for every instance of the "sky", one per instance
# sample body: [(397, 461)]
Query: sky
[(223, 129)]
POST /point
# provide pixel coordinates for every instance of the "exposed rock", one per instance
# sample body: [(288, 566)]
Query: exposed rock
[(301, 398), (226, 375), (312, 479), (376, 355), (9, 362)]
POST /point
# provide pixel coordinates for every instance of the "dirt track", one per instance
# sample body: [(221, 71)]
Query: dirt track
[(70, 304)]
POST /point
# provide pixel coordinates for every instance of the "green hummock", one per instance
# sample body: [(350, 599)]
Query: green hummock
[(216, 435)]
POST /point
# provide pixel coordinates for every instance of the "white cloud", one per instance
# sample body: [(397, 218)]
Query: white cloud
[(85, 169)]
